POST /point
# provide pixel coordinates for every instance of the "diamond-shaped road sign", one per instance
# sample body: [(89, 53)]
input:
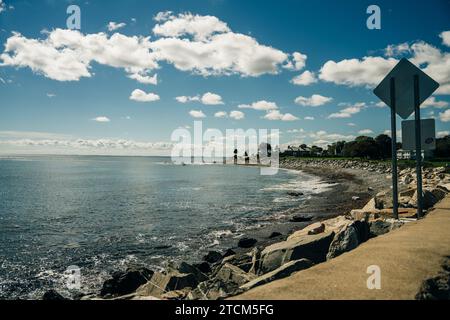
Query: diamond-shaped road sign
[(404, 73)]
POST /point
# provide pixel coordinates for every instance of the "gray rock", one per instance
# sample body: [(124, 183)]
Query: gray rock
[(126, 282), (346, 240), (301, 218), (247, 242), (380, 227), (183, 267), (242, 260), (53, 295), (312, 247), (282, 272), (161, 283), (230, 273), (212, 257)]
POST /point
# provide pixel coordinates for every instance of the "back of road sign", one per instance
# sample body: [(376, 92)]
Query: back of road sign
[(404, 73), (428, 134)]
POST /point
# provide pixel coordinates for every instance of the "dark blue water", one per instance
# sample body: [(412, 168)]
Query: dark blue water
[(104, 213)]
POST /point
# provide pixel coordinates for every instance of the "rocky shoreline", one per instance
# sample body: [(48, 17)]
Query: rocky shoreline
[(364, 200)]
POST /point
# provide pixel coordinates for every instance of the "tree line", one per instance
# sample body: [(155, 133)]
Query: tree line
[(364, 147)]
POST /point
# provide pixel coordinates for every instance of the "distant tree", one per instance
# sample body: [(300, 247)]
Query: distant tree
[(442, 147), (384, 143), (362, 147), (303, 146)]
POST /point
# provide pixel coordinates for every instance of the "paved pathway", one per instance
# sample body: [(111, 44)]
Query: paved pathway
[(406, 257)]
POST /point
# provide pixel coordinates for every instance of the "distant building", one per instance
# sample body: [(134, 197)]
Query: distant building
[(410, 154)]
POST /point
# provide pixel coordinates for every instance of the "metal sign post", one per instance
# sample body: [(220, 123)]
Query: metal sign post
[(394, 151), (418, 145), (404, 89)]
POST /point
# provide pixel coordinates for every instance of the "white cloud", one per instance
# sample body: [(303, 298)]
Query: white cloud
[(113, 26), (369, 71), (354, 72), (323, 138), (220, 114), (237, 115), (101, 119), (66, 55), (2, 6), (144, 78), (315, 100), (348, 111), (445, 116), (207, 99), (442, 134), (297, 62), (396, 50), (365, 131), (51, 95), (445, 36), (262, 105), (305, 79), (211, 99), (84, 146), (277, 115), (200, 27), (141, 96), (381, 104), (197, 114), (309, 118), (432, 102), (351, 124)]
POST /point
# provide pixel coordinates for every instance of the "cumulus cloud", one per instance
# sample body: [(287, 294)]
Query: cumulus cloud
[(220, 114), (113, 26), (309, 118), (206, 99), (369, 71), (305, 79), (200, 27), (349, 111), (101, 119), (261, 105), (365, 132), (237, 115), (85, 146), (315, 100), (445, 36), (141, 96), (433, 102), (277, 115), (445, 116), (142, 77), (442, 134), (197, 114), (198, 44), (67, 55), (297, 62), (354, 72), (323, 138)]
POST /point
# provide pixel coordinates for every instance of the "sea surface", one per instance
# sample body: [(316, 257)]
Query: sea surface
[(103, 214)]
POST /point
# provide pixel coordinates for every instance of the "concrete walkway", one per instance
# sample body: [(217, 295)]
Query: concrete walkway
[(406, 257)]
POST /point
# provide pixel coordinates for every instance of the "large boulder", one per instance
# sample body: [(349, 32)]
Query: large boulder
[(183, 267), (428, 199), (241, 260), (53, 295), (214, 289), (383, 200), (126, 282), (343, 241), (230, 273), (161, 283), (312, 247), (383, 226), (246, 242), (212, 257), (282, 272)]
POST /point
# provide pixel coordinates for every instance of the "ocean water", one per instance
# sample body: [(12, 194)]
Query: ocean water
[(105, 213)]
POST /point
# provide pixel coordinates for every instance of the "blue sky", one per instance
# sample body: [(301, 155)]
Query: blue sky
[(331, 39)]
